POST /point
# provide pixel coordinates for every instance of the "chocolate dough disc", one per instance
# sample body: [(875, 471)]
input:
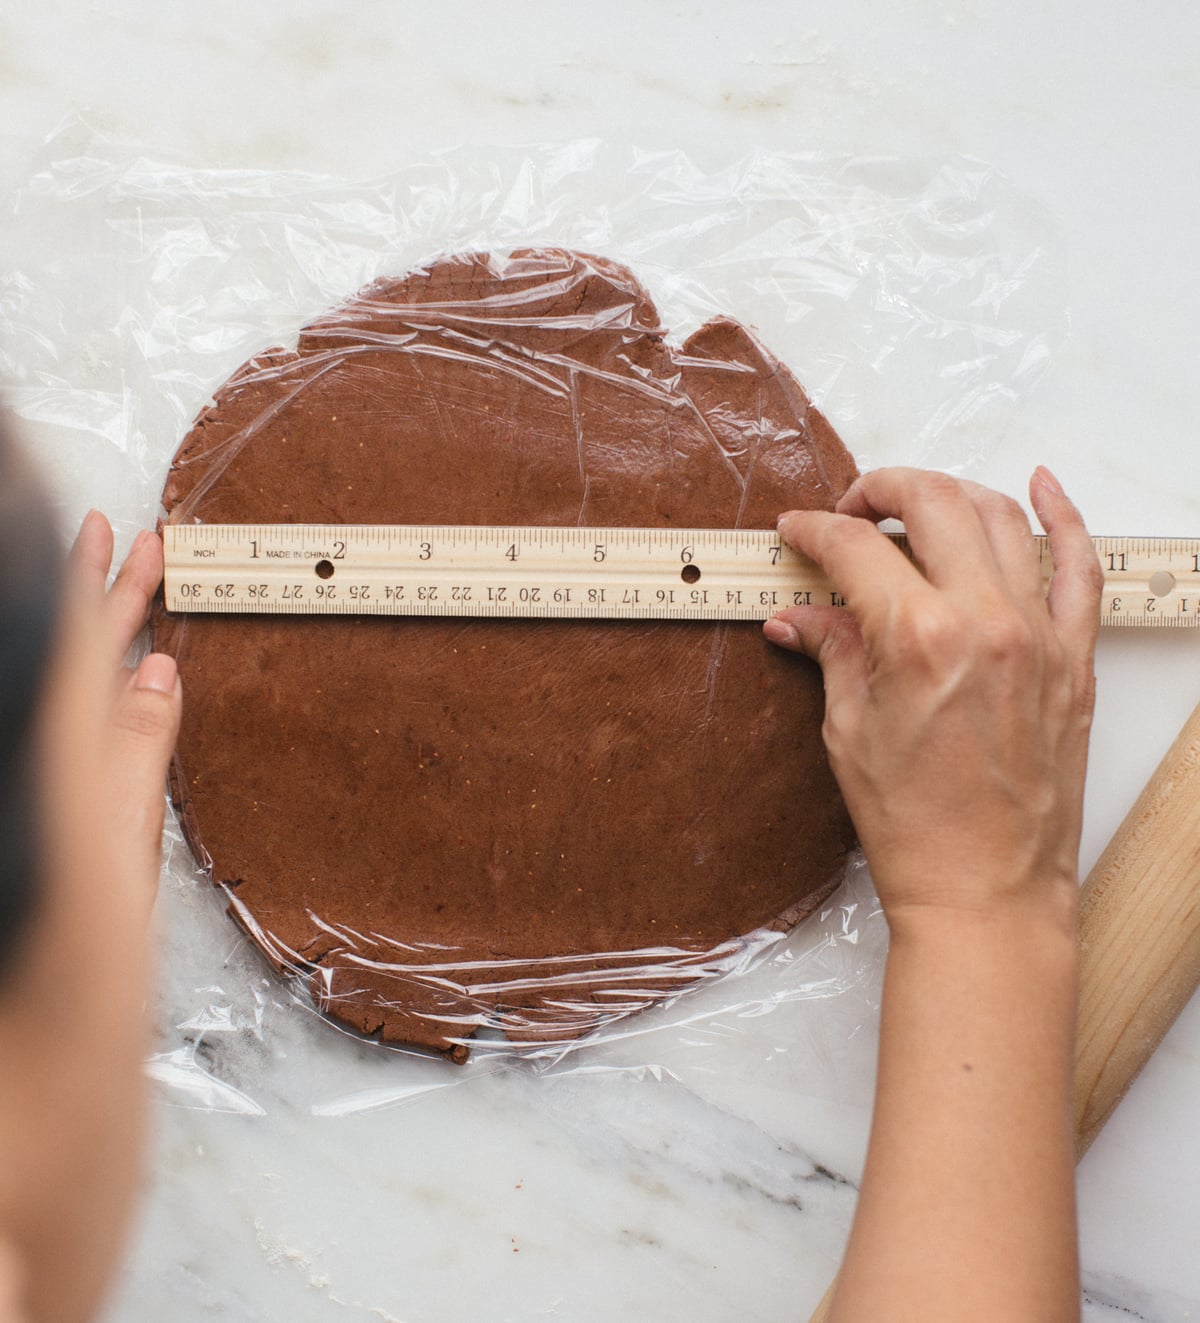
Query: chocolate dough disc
[(530, 825)]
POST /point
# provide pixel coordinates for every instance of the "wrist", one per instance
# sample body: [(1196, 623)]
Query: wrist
[(1047, 914)]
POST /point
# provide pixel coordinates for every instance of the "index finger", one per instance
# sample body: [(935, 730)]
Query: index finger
[(127, 605), (91, 555), (944, 528), (865, 565)]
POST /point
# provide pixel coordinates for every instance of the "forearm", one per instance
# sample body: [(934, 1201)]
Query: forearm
[(967, 1207), (958, 699)]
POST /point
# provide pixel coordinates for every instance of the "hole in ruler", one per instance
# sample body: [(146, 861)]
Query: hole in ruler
[(324, 569), (690, 573), (1161, 583)]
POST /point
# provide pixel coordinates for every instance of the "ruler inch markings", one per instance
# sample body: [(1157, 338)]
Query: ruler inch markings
[(572, 572)]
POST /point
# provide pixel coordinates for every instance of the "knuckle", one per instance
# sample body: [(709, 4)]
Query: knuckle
[(1006, 639), (937, 486), (1071, 698), (926, 636), (129, 605), (838, 643), (1092, 574), (146, 715), (835, 729), (834, 535), (1009, 511), (843, 528), (998, 641)]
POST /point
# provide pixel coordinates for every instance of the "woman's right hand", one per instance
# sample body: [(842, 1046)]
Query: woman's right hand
[(958, 694)]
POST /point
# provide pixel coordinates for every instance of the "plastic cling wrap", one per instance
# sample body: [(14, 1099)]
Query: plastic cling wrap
[(913, 300), (528, 826)]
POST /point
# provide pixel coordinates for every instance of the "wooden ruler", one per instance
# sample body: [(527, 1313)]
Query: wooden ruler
[(576, 573)]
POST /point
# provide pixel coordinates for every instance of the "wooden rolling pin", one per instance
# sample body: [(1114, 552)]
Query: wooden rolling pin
[(1139, 940), (1139, 935)]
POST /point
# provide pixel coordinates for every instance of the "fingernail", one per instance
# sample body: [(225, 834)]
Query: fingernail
[(143, 536), (787, 514), (779, 631), (157, 672), (1048, 480)]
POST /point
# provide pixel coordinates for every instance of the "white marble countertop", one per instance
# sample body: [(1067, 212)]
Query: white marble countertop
[(719, 1183)]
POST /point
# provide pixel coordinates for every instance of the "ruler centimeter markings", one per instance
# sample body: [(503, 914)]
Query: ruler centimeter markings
[(577, 573)]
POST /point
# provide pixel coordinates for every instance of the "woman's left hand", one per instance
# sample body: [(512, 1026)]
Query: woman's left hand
[(146, 701)]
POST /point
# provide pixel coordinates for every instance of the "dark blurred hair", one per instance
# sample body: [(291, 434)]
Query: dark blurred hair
[(30, 570)]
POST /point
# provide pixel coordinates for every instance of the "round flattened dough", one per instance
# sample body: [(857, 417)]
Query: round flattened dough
[(535, 825)]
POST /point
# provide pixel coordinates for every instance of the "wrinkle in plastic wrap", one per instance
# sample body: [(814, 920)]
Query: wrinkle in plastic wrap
[(914, 300), (527, 826)]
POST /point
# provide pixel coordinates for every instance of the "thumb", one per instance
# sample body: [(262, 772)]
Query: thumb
[(145, 726), (831, 637)]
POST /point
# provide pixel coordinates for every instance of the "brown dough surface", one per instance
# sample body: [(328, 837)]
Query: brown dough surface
[(531, 825)]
